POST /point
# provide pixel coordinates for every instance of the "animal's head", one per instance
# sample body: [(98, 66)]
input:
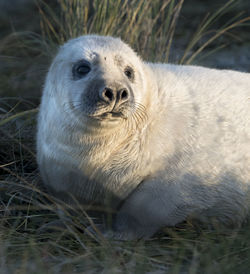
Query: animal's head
[(98, 78)]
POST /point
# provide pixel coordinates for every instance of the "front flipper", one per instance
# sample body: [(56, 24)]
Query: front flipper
[(153, 205)]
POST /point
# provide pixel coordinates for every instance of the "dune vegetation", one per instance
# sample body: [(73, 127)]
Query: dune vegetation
[(152, 29)]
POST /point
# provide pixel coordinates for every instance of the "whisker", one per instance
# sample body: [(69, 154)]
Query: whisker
[(138, 116)]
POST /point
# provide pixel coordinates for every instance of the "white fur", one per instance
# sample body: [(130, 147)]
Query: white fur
[(189, 158)]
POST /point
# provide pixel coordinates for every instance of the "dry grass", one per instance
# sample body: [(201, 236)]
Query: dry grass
[(149, 26)]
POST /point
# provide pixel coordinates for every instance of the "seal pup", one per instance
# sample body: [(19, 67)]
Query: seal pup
[(159, 143)]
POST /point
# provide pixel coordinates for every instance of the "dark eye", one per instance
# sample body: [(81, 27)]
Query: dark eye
[(80, 69), (129, 73)]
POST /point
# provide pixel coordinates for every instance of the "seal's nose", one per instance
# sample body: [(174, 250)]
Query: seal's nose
[(110, 95)]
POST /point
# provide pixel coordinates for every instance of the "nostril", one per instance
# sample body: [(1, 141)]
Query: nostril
[(124, 94), (108, 94)]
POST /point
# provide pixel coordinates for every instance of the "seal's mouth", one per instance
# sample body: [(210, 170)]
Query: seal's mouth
[(114, 112), (110, 115)]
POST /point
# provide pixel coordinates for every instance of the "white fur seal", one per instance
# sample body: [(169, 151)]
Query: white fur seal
[(158, 142)]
